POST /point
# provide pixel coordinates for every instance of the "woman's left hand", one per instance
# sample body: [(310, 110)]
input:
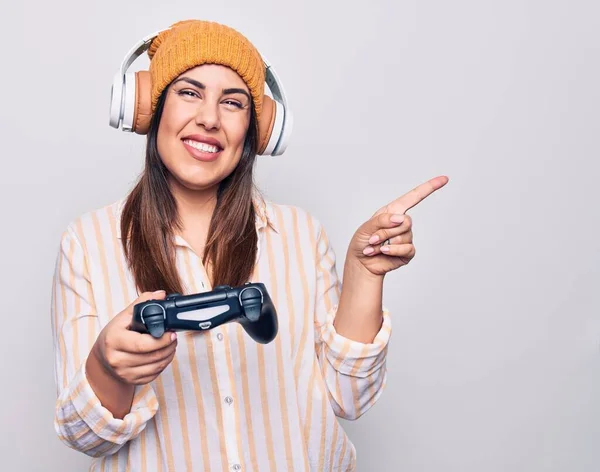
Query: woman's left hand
[(385, 242)]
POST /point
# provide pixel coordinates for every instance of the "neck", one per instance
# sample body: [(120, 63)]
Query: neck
[(194, 207)]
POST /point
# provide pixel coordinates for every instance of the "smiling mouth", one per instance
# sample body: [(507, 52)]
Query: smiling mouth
[(202, 152), (209, 148)]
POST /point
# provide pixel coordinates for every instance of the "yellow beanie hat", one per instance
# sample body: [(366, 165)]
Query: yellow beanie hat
[(191, 43)]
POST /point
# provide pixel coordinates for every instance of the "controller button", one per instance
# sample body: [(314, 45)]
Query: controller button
[(250, 294), (205, 324), (153, 310), (222, 287), (173, 295)]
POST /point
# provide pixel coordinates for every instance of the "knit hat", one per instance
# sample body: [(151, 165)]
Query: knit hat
[(191, 43)]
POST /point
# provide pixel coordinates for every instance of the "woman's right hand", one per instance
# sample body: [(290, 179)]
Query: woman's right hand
[(130, 357)]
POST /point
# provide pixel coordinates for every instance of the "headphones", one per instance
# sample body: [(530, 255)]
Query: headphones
[(130, 103)]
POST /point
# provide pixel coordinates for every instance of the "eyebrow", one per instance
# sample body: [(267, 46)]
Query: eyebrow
[(201, 86)]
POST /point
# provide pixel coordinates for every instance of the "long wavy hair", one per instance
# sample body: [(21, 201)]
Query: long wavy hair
[(150, 217)]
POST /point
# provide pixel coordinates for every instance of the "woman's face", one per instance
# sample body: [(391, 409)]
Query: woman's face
[(203, 126)]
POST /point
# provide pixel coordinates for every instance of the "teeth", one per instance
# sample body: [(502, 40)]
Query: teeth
[(201, 146)]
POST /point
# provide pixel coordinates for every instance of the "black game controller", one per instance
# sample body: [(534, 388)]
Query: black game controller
[(250, 305)]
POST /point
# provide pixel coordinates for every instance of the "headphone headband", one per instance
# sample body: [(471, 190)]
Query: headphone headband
[(136, 51), (123, 95)]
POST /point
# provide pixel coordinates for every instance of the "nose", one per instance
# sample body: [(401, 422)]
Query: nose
[(208, 115)]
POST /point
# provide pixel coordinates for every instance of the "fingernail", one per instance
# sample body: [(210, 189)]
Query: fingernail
[(368, 250), (374, 239), (385, 249), (173, 336), (159, 292), (397, 218)]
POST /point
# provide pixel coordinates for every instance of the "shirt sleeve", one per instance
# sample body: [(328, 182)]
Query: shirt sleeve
[(355, 373), (80, 420)]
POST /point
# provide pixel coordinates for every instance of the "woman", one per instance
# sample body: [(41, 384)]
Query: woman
[(216, 400)]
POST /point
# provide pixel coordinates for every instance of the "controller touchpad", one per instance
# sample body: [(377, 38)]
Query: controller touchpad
[(203, 314)]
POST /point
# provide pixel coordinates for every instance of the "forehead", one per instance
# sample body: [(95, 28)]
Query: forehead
[(215, 76)]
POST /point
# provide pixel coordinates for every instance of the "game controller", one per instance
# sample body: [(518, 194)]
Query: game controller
[(250, 305)]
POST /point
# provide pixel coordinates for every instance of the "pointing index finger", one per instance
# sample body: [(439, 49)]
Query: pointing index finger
[(418, 194)]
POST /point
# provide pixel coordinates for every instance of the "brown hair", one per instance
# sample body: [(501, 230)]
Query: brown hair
[(150, 217)]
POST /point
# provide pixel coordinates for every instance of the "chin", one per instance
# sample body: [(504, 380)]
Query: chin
[(201, 185)]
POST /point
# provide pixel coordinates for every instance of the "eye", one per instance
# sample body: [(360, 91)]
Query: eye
[(188, 93), (233, 103)]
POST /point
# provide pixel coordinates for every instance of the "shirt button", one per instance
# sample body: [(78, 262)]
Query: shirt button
[(236, 467), (228, 400), (220, 336)]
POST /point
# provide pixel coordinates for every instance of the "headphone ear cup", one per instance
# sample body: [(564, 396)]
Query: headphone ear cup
[(265, 124), (143, 102), (116, 99)]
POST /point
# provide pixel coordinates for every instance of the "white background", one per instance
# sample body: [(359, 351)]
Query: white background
[(495, 357)]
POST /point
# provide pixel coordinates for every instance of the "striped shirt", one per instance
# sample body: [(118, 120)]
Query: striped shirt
[(225, 402)]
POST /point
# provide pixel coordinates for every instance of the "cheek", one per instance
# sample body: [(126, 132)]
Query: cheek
[(167, 135), (237, 135), (161, 139)]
